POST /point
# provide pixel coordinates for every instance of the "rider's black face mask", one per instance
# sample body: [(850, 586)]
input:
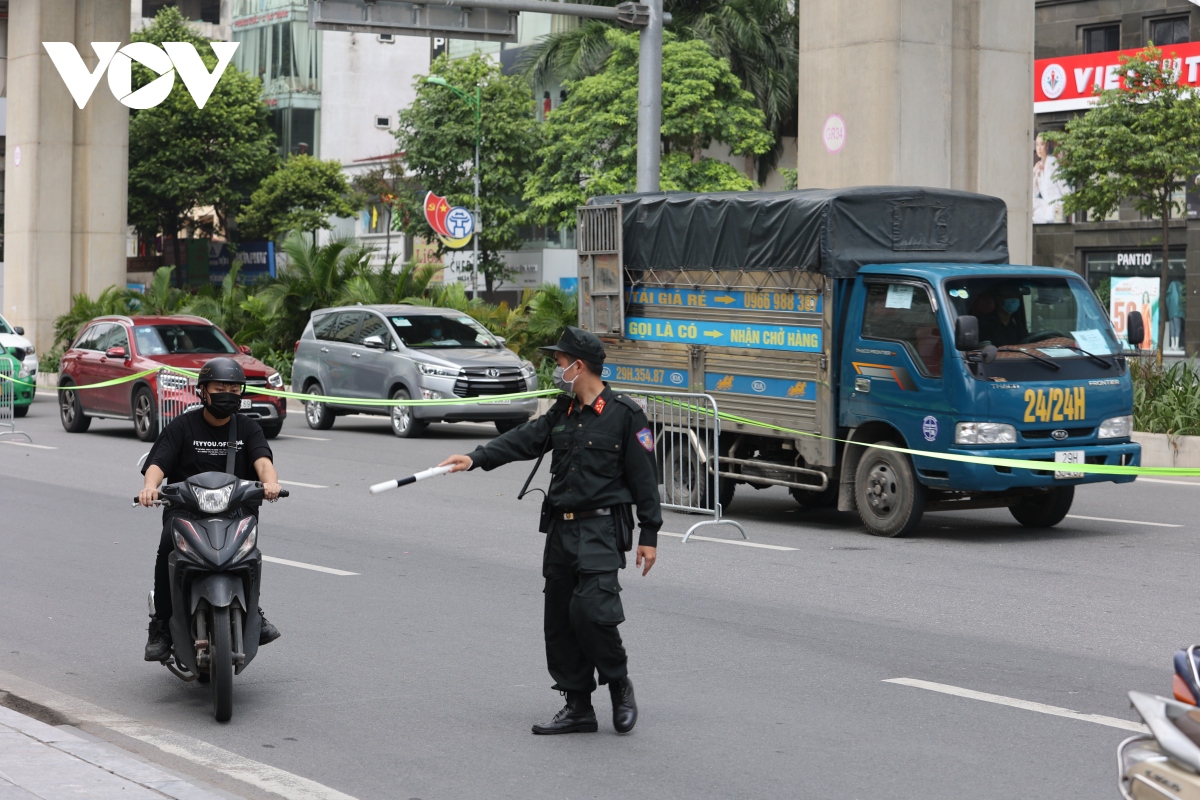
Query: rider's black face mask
[(222, 405)]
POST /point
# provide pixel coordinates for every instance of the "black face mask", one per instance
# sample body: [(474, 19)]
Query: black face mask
[(222, 405)]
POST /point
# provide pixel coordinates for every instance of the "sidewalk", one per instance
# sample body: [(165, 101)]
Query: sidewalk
[(44, 762)]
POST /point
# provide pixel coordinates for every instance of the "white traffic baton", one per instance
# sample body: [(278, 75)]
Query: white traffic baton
[(420, 476)]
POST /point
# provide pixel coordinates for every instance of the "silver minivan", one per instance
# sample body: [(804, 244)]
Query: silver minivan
[(403, 352)]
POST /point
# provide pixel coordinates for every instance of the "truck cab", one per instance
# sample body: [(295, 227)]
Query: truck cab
[(1045, 380)]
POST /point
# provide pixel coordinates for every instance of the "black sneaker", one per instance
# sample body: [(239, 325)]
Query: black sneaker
[(268, 632), (158, 644), (577, 716)]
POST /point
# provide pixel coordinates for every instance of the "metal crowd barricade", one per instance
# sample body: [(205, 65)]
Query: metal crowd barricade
[(8, 400), (687, 430), (176, 394)]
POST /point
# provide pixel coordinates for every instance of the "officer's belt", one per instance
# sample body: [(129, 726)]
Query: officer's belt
[(572, 515)]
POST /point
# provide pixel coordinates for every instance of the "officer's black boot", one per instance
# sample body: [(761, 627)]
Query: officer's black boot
[(624, 706), (158, 644), (577, 716), (268, 632)]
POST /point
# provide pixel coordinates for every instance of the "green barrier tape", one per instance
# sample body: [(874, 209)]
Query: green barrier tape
[(1048, 466)]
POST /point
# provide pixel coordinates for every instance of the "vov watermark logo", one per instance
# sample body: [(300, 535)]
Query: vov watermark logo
[(172, 57)]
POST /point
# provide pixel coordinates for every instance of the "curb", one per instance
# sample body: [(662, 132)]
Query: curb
[(1161, 450)]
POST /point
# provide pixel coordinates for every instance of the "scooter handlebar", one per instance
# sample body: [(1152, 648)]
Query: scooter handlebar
[(162, 501)]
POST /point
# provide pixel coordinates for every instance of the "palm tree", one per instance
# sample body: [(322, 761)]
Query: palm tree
[(760, 38), (387, 284)]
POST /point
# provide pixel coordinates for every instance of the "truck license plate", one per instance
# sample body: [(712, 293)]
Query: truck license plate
[(494, 402), (1068, 457), (245, 405)]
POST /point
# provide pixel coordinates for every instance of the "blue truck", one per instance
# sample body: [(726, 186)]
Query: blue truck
[(870, 315)]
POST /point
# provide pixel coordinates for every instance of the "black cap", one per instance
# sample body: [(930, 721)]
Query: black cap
[(579, 343), (221, 370)]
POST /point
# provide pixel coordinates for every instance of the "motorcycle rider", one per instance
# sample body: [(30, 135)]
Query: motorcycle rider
[(193, 443)]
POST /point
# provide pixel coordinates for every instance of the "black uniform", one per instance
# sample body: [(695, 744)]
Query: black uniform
[(603, 457), (189, 446)]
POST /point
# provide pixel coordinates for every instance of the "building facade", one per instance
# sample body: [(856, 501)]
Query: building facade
[(1121, 256)]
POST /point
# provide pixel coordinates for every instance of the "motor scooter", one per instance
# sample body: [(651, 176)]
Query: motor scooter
[(215, 572), (1166, 762)]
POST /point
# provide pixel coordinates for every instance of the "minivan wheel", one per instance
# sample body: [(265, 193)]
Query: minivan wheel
[(70, 411), (404, 422), (145, 415), (318, 415)]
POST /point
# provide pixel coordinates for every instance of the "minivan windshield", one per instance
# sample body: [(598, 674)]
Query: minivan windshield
[(435, 330), (158, 340), (1054, 318)]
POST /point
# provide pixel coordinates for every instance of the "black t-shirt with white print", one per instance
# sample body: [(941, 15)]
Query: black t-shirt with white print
[(189, 446)]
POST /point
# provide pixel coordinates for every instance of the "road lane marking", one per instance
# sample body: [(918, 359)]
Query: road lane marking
[(197, 751), (738, 542), (29, 444), (294, 436), (1041, 708), (302, 565), (305, 485), (1161, 480), (1126, 521)]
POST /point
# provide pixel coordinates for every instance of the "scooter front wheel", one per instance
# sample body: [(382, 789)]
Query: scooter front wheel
[(220, 664)]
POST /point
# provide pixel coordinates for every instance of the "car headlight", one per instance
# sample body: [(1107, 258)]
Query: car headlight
[(213, 501), (248, 545), (528, 371), (430, 394), (1116, 427), (984, 433), (434, 370), (275, 380), (29, 366)]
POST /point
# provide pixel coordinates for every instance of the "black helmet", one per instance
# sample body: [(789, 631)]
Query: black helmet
[(222, 370)]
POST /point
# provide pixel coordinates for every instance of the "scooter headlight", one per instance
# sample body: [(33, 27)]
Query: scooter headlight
[(213, 501), (248, 544)]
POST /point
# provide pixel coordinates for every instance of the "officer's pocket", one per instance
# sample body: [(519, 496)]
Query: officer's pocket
[(602, 595), (603, 453)]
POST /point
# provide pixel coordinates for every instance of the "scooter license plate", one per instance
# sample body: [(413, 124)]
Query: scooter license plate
[(245, 405), (1068, 457)]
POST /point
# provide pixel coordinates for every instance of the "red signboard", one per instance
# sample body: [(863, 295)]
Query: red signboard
[(1069, 83)]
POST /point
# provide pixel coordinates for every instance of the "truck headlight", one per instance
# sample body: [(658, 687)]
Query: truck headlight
[(1116, 427), (984, 433), (275, 380), (433, 370)]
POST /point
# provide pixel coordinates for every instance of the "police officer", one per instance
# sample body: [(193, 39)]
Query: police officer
[(193, 443), (603, 460)]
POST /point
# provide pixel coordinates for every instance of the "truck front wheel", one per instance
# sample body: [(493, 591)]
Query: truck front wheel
[(889, 497), (1045, 509)]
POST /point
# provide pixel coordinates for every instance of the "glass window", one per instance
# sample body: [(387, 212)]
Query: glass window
[(1044, 316), (1102, 40), (903, 313), (1172, 30), (93, 336), (372, 326), (346, 327), (117, 337), (323, 326), (1116, 277), (435, 330), (164, 339)]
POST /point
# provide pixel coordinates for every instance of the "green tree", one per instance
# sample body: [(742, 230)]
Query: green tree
[(181, 156), (759, 38), (437, 136), (590, 141), (302, 195), (1141, 141)]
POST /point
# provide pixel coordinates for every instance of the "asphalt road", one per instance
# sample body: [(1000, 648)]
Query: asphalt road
[(760, 673)]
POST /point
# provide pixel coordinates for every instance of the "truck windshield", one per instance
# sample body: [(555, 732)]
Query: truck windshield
[(435, 330), (1055, 318), (158, 340)]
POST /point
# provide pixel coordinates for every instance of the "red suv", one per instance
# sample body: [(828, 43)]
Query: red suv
[(116, 347)]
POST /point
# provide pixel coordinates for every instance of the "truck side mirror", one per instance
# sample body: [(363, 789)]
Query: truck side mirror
[(966, 333), (19, 330), (1135, 329)]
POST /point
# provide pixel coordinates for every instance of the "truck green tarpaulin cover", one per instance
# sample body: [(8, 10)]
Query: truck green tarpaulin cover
[(832, 231)]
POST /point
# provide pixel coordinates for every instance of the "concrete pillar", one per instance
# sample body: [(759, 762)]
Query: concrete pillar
[(932, 93), (66, 169)]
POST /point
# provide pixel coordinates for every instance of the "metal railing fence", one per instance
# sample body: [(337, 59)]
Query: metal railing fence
[(8, 400)]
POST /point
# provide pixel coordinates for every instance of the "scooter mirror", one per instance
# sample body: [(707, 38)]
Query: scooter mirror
[(966, 333), (1135, 329)]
